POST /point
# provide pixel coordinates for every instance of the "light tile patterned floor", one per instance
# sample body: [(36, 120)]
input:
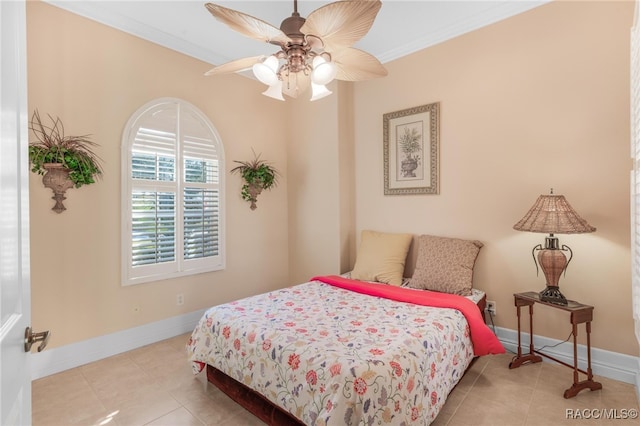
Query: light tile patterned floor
[(154, 385)]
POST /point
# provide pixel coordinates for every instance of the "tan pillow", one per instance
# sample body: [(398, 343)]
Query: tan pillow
[(381, 257), (445, 264)]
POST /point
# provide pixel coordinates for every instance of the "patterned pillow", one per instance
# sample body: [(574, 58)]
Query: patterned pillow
[(445, 264), (381, 257)]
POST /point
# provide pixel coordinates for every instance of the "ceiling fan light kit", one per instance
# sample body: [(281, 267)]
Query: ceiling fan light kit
[(314, 51), (267, 71), (323, 72), (319, 91), (275, 91)]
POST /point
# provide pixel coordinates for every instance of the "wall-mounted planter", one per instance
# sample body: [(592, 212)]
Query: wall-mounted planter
[(63, 161), (57, 178), (258, 175)]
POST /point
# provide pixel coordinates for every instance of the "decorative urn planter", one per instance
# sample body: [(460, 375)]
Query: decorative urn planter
[(64, 161), (258, 175), (254, 190), (57, 178)]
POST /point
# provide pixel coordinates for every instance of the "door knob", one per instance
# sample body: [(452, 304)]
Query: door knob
[(30, 338)]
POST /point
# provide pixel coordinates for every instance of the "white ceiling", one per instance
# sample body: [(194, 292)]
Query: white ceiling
[(401, 27)]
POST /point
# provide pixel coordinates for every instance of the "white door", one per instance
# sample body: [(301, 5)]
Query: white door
[(15, 374)]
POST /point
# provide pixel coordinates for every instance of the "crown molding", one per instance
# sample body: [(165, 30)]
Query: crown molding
[(500, 11), (97, 11)]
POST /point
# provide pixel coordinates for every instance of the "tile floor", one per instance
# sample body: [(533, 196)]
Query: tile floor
[(153, 385)]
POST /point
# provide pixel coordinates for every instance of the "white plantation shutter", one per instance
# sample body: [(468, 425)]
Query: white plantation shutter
[(153, 227), (201, 193), (200, 223), (635, 174), (172, 189)]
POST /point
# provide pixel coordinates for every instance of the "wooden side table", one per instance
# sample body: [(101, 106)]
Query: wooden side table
[(579, 314)]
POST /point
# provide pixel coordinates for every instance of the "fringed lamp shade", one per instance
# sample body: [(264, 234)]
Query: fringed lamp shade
[(552, 214)]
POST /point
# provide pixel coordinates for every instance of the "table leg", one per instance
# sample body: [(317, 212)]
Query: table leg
[(586, 384), (531, 349), (574, 328), (519, 342), (589, 372), (531, 356)]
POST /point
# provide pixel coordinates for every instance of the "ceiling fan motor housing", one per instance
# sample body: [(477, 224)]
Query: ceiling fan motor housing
[(291, 27), (297, 49)]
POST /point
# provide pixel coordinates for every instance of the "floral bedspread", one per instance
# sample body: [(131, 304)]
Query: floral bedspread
[(331, 356)]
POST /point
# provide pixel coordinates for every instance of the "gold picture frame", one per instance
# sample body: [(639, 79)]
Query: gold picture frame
[(411, 139)]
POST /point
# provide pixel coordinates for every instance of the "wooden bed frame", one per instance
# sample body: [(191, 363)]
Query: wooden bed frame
[(259, 405), (251, 400)]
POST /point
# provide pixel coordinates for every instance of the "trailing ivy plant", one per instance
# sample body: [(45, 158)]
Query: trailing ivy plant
[(258, 175), (73, 152)]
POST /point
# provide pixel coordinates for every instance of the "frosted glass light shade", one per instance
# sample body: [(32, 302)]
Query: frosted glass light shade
[(266, 71), (275, 91), (319, 91), (323, 72)]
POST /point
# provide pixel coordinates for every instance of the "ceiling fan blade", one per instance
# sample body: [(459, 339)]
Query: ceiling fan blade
[(343, 23), (248, 25), (356, 65), (234, 66)]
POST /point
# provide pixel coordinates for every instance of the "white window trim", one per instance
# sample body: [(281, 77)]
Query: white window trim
[(179, 267), (635, 173)]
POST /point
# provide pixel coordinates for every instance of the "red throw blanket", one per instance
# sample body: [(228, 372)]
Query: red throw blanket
[(484, 341)]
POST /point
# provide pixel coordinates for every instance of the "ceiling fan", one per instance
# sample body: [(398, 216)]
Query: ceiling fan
[(313, 51)]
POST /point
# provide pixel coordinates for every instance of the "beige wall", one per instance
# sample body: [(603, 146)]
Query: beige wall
[(321, 185), (537, 101), (94, 77)]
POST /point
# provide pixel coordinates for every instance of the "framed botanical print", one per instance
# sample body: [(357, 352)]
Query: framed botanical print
[(411, 140)]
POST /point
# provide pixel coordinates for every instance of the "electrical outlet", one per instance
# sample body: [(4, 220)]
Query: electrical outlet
[(491, 307), (180, 299)]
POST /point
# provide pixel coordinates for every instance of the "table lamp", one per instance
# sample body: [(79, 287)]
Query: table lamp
[(552, 214)]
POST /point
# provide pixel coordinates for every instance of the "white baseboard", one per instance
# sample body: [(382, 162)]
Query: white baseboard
[(625, 368), (613, 365), (63, 358), (638, 381)]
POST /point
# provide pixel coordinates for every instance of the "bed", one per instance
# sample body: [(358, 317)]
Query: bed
[(342, 351)]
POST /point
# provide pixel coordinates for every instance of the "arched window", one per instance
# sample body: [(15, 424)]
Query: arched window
[(172, 193)]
